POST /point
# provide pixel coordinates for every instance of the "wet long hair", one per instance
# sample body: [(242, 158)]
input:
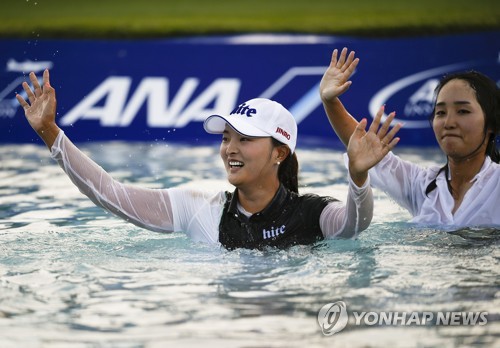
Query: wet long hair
[(288, 171), (488, 97)]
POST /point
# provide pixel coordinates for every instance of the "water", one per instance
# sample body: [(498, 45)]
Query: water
[(74, 276)]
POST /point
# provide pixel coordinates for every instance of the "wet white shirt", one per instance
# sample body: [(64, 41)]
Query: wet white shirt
[(196, 212), (406, 182)]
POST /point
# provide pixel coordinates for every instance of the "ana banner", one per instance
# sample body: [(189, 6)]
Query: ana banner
[(162, 90)]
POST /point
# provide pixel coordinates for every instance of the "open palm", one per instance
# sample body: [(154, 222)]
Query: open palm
[(335, 79), (41, 109), (367, 148)]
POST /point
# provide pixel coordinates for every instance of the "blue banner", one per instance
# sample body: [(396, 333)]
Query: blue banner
[(162, 90)]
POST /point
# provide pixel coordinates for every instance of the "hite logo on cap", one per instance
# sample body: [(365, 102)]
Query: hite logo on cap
[(244, 109), (283, 133)]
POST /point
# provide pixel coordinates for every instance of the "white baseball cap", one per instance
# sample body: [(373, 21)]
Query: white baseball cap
[(258, 117)]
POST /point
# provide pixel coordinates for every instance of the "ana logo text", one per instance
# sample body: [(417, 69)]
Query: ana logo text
[(108, 102)]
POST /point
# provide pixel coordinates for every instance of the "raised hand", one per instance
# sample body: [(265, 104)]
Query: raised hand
[(367, 148), (41, 109), (335, 80)]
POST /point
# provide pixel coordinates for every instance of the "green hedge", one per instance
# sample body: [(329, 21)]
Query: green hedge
[(157, 18)]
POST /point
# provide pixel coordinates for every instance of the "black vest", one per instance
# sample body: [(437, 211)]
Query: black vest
[(288, 220)]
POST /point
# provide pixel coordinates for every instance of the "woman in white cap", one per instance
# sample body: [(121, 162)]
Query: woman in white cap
[(258, 151), (465, 192)]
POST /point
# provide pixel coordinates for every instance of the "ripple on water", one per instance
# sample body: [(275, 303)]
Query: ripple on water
[(72, 275)]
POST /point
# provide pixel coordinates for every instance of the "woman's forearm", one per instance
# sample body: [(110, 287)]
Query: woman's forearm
[(341, 121), (49, 134)]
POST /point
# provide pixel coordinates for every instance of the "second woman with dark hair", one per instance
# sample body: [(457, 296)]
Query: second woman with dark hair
[(465, 192)]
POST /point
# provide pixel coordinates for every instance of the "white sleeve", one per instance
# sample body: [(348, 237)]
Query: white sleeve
[(147, 208), (401, 180), (197, 212), (347, 221)]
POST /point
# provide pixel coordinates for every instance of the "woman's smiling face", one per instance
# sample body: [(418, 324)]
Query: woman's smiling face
[(248, 160)]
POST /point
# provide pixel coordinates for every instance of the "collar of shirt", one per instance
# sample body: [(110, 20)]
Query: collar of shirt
[(273, 208), (486, 164)]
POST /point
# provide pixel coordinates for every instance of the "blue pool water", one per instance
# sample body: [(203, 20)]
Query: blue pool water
[(74, 276)]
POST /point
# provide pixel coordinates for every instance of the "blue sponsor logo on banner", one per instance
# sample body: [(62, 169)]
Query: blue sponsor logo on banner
[(419, 103), (164, 89)]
